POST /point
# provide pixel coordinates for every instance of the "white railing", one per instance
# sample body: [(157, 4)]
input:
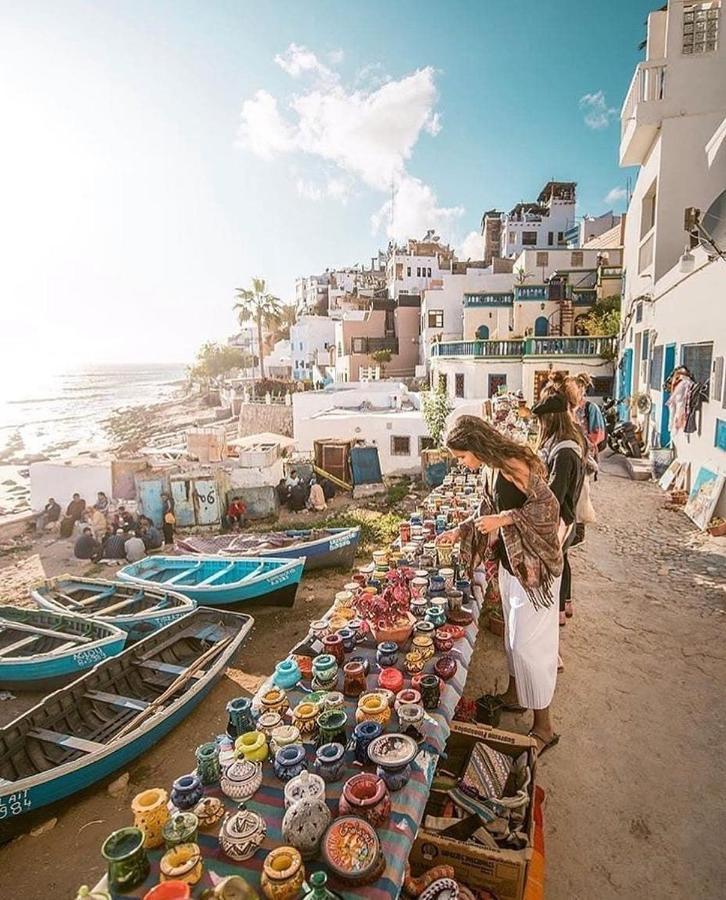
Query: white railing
[(648, 85)]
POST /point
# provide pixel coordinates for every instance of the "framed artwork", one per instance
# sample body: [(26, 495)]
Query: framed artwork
[(720, 439), (704, 496), (670, 475)]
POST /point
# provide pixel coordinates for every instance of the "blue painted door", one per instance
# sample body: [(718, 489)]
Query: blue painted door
[(206, 501), (181, 494), (148, 492), (669, 363), (482, 332), (541, 326), (365, 465), (625, 383)]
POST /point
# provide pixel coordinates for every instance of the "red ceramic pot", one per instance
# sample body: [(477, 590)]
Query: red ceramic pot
[(416, 681), (367, 797), (391, 679), (443, 640), (445, 667), (354, 679), (333, 644), (455, 632)]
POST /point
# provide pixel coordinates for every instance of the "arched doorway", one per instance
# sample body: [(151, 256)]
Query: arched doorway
[(482, 333), (541, 326)]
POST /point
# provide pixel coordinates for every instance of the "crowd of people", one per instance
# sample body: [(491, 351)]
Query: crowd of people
[(534, 508), (296, 493)]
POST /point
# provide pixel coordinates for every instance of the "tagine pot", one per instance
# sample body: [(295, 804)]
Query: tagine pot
[(181, 829), (241, 779), (209, 811), (242, 834), (304, 825), (365, 795), (283, 874)]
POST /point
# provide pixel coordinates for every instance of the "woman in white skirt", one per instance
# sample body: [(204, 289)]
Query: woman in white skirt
[(517, 522)]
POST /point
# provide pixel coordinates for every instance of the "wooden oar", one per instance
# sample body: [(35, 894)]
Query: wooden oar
[(34, 629), (180, 680)]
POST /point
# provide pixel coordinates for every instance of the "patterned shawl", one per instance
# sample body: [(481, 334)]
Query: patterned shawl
[(531, 541)]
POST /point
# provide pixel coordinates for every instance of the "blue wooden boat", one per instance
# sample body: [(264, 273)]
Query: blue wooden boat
[(135, 610), (322, 548), (220, 580), (40, 650), (112, 714)]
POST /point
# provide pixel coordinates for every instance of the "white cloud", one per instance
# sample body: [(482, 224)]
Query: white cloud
[(472, 247), (616, 195), (363, 134), (597, 112), (336, 57)]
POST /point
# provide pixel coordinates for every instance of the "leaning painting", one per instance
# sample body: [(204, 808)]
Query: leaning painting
[(704, 496)]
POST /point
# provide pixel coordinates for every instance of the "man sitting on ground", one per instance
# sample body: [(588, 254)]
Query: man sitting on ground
[(150, 535), (134, 548), (51, 513), (86, 546), (114, 546), (74, 511)]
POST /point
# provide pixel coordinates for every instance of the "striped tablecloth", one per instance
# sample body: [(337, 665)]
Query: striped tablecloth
[(408, 804)]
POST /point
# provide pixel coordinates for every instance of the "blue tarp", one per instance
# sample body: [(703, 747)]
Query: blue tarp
[(365, 465)]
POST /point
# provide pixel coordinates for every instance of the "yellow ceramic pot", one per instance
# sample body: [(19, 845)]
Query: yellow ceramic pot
[(151, 814), (344, 598), (274, 700), (373, 708), (253, 746), (182, 863), (414, 662), (304, 718), (423, 644), (283, 874)]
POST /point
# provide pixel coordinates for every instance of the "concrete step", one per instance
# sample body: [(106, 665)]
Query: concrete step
[(639, 469)]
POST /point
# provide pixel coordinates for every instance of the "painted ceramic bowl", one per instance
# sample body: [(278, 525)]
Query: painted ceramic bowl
[(392, 750), (455, 632), (241, 779), (242, 833), (209, 811), (352, 851)]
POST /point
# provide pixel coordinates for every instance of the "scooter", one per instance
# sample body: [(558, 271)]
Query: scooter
[(622, 437)]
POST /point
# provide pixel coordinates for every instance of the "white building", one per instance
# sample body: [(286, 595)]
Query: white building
[(541, 225), (278, 362), (312, 343), (590, 227), (673, 126), (417, 266), (311, 294)]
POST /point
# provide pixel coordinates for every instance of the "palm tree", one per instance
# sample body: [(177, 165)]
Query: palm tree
[(257, 304)]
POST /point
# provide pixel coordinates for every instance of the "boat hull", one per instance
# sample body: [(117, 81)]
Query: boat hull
[(34, 675)]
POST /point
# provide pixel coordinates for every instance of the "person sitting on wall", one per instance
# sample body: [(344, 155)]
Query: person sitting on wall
[(134, 547), (51, 513), (235, 515), (114, 546), (101, 503), (150, 535), (86, 546), (74, 511)]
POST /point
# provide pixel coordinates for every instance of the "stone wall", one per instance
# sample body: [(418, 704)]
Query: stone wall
[(258, 417)]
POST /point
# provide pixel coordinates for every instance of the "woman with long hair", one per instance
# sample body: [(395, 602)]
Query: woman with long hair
[(562, 445), (517, 522)]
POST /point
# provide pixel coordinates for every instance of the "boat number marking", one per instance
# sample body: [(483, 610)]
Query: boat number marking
[(164, 620), (15, 804), (277, 579), (337, 542), (89, 656)]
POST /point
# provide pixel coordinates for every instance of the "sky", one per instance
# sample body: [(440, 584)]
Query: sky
[(157, 155)]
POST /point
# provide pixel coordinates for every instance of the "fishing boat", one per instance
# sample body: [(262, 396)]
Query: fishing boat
[(322, 548), (220, 580), (136, 610), (89, 729), (40, 650)]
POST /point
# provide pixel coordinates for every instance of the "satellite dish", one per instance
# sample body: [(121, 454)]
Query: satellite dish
[(713, 226)]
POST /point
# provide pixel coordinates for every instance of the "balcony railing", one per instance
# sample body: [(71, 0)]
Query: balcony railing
[(493, 299), (531, 292), (603, 347), (648, 84)]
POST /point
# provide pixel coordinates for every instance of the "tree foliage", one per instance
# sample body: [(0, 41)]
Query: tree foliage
[(604, 317), (214, 360), (258, 305), (436, 410)]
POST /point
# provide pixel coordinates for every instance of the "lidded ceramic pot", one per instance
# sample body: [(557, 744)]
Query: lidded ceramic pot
[(181, 829), (209, 811), (241, 779), (283, 874), (366, 795), (150, 815), (306, 786), (445, 667), (242, 833), (304, 825)]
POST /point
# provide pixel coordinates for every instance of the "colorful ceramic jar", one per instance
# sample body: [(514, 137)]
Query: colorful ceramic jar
[(464, 585), (430, 691), (181, 829), (354, 679), (353, 587), (333, 645), (366, 796), (283, 874), (419, 605), (347, 636), (287, 674), (209, 770), (411, 717), (242, 833), (352, 851), (436, 616), (437, 585), (209, 811), (443, 642), (307, 786), (373, 708), (325, 672), (330, 761), (241, 779), (423, 644), (446, 553), (392, 754), (424, 627), (274, 700), (240, 715), (386, 653), (358, 629), (304, 717), (391, 679), (182, 863), (304, 825), (268, 722), (455, 600), (445, 667), (448, 575), (186, 792), (331, 726), (284, 736), (363, 660), (363, 734), (319, 628), (414, 662), (344, 598), (253, 746), (419, 586), (126, 860), (289, 762), (150, 815), (407, 695), (335, 699)]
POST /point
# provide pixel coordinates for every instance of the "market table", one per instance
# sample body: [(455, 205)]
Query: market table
[(408, 804)]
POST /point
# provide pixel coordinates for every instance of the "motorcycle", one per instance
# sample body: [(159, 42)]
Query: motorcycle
[(622, 437)]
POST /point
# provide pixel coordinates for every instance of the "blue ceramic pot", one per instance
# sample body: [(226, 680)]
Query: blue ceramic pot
[(289, 762), (464, 585), (437, 586), (347, 635), (436, 615), (363, 734), (330, 761), (241, 720), (386, 654), (186, 792), (395, 778), (287, 674)]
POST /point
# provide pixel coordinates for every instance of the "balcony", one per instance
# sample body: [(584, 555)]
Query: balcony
[(598, 347), (474, 300), (366, 346), (531, 292), (642, 112)]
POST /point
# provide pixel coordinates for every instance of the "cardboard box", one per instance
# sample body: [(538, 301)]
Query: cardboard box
[(504, 872)]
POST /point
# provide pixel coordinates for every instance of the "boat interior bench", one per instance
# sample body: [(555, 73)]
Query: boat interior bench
[(168, 668), (68, 741), (117, 700)]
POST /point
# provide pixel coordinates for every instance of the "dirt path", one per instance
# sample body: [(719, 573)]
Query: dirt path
[(635, 790)]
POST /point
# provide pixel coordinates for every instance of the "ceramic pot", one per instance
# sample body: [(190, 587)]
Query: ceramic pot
[(283, 874), (330, 761), (361, 578), (150, 815), (363, 660), (445, 667), (411, 717), (386, 653), (167, 890), (354, 679), (344, 598), (357, 627), (455, 632), (391, 679), (319, 628), (419, 605), (181, 829), (448, 575), (304, 825), (430, 691), (331, 727), (274, 700), (268, 722), (454, 599), (209, 770), (289, 762), (226, 749), (233, 887), (284, 736), (443, 641), (436, 616), (352, 851), (463, 585), (209, 811), (366, 796), (182, 863), (306, 786), (253, 746), (305, 664), (424, 627), (353, 587), (325, 672), (399, 633), (363, 734), (242, 833), (437, 585), (241, 779), (287, 674), (373, 708), (127, 863), (304, 717), (347, 636), (414, 662), (241, 718), (445, 552), (392, 755), (404, 532), (186, 792), (334, 699), (419, 586), (333, 645)]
